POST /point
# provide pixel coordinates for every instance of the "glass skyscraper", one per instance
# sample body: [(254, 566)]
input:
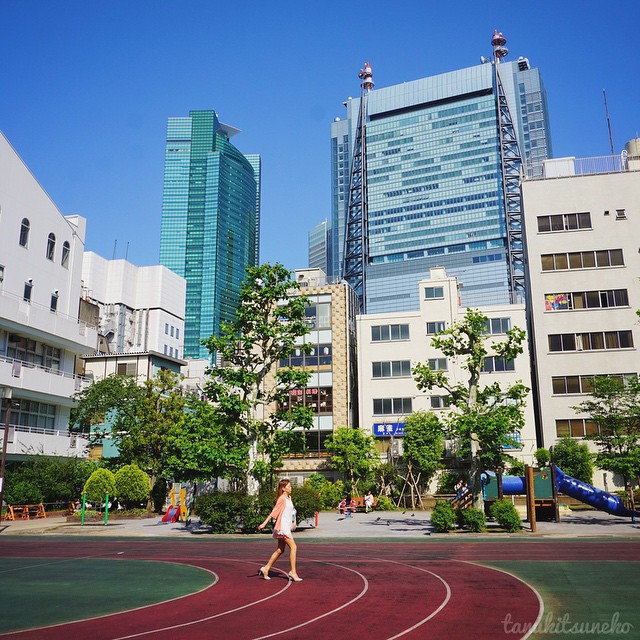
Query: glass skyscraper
[(210, 221), (434, 181)]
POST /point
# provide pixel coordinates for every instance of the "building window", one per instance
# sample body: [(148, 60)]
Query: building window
[(496, 364), (438, 364), (621, 214), (435, 327), (568, 385), (51, 357), (586, 300), (319, 400), (166, 328), (497, 326), (36, 414), (172, 330), (1, 273), (596, 340), (576, 427), (28, 289), (392, 369), (177, 334), (126, 369), (564, 222), (440, 402), (66, 251), (392, 406), (582, 260), (24, 232), (389, 332), (54, 302), (51, 246), (434, 293)]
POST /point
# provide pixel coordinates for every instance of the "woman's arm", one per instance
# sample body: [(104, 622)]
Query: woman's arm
[(276, 511)]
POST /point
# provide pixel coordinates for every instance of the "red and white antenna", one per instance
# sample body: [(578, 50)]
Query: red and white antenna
[(499, 50), (366, 75)]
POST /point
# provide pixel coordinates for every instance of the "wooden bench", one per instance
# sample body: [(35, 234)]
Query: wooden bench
[(25, 511)]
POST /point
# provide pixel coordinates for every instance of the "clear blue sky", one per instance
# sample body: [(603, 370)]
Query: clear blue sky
[(86, 88)]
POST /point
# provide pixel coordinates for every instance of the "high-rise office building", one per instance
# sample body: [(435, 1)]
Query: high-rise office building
[(434, 181), (210, 221), (318, 246)]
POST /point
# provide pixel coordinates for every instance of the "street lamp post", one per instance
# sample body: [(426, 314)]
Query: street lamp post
[(7, 403)]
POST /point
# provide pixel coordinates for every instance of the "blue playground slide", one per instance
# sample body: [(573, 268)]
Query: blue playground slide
[(515, 485), (590, 495)]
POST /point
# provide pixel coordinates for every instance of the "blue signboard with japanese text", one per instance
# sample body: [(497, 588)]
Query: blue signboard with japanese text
[(387, 429)]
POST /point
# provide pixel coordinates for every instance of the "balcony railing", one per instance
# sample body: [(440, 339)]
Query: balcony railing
[(570, 166), (16, 365)]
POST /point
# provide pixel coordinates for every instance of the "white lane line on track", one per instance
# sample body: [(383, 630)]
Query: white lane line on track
[(216, 615), (443, 604), (540, 600), (328, 613)]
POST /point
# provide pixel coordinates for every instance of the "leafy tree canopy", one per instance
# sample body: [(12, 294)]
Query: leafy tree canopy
[(352, 452)]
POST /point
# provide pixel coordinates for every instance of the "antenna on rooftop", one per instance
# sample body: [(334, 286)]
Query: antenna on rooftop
[(115, 246), (606, 110)]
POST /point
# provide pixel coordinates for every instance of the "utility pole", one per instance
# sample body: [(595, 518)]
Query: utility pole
[(7, 404)]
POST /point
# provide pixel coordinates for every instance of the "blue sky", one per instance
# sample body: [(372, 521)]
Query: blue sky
[(87, 86)]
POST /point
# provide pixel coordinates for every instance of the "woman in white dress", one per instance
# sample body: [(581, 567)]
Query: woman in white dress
[(284, 514)]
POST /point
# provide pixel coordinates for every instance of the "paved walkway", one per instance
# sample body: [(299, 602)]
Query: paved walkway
[(376, 525)]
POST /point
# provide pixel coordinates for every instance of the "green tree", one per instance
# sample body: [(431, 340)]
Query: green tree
[(614, 407), (573, 458), (248, 388), (423, 444), (132, 485), (206, 446), (139, 418), (484, 418), (353, 454), (99, 483)]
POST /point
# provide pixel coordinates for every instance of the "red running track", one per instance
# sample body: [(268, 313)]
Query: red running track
[(372, 591)]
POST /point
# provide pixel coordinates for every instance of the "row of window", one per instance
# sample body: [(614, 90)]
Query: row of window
[(172, 331), (582, 260), (31, 352), (25, 230), (319, 400), (594, 340), (171, 351), (402, 368), (565, 385), (28, 293), (586, 300), (391, 332), (564, 222), (320, 354)]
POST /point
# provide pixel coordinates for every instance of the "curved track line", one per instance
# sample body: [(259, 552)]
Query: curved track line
[(433, 613), (207, 618), (328, 613), (540, 600)]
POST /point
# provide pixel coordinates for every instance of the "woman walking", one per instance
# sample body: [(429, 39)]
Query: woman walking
[(284, 515)]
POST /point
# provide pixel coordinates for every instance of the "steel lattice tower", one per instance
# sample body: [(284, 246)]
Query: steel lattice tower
[(511, 169), (356, 240)]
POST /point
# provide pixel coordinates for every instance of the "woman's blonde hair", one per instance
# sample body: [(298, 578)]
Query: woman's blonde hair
[(281, 485)]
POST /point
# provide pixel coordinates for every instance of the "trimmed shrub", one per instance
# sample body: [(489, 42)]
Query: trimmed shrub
[(223, 511), (543, 457), (473, 519), (443, 516), (506, 515), (132, 486), (331, 493), (100, 482), (384, 503), (306, 502)]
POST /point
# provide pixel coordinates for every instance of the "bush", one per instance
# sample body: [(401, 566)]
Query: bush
[(516, 468), (23, 492), (443, 516), (100, 482), (222, 511), (132, 486), (384, 503), (573, 458), (306, 502), (473, 519), (331, 493), (506, 515), (543, 457), (317, 481), (448, 481)]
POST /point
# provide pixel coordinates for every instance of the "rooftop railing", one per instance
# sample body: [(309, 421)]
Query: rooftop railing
[(567, 167)]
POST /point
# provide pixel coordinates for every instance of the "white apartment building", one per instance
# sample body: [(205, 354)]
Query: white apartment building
[(41, 337), (141, 308), (583, 246), (391, 344)]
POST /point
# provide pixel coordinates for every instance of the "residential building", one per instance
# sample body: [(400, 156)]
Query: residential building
[(41, 336), (210, 221), (434, 186), (332, 388), (582, 220), (140, 308), (391, 344)]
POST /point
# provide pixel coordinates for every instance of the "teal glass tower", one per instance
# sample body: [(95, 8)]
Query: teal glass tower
[(210, 221)]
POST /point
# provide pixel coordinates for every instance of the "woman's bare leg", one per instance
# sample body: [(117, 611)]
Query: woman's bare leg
[(275, 555), (293, 552)]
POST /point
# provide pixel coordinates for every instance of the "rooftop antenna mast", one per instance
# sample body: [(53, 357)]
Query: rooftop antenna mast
[(606, 110), (511, 169), (356, 239)]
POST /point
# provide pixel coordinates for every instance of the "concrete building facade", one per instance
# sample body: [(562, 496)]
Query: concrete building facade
[(41, 336)]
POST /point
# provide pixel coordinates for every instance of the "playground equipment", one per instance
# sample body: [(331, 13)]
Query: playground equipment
[(177, 509), (542, 486)]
